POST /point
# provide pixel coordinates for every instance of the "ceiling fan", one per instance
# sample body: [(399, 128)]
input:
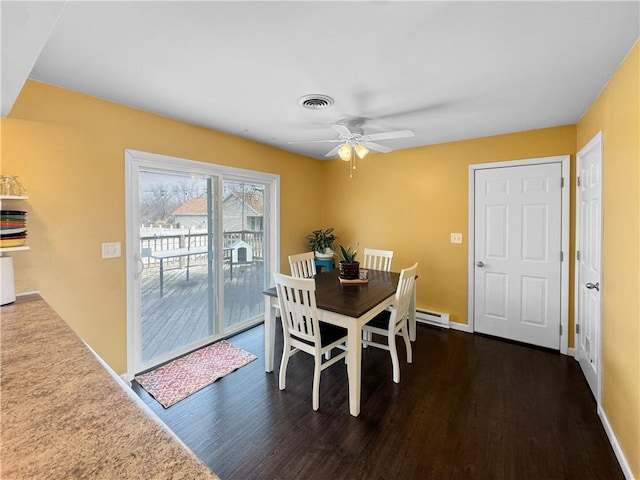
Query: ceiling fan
[(352, 141)]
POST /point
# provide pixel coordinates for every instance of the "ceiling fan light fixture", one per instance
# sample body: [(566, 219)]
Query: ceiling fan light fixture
[(361, 151), (345, 152)]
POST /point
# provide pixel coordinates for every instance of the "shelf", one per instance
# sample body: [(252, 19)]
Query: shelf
[(21, 248), (14, 249), (13, 197)]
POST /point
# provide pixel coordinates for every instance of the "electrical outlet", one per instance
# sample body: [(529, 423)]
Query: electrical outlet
[(456, 238), (111, 250)]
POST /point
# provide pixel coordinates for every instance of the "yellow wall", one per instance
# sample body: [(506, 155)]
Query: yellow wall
[(616, 112), (68, 150), (410, 201)]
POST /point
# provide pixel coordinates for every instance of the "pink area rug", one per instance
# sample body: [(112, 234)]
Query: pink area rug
[(183, 376)]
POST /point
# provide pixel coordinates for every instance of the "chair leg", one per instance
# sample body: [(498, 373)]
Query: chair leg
[(366, 336), (316, 383), (407, 343), (286, 352), (394, 356)]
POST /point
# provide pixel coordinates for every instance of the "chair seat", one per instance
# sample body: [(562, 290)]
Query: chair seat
[(380, 321), (328, 334), (331, 333)]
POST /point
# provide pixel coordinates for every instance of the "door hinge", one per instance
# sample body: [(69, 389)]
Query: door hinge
[(560, 329), (562, 256), (578, 255), (578, 181), (577, 328), (561, 182)]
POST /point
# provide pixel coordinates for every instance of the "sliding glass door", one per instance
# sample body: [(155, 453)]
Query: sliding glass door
[(178, 280), (244, 247), (199, 249)]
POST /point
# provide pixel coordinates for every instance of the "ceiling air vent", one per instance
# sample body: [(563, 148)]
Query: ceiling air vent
[(315, 102)]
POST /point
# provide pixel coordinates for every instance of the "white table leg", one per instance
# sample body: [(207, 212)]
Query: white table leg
[(269, 334), (354, 359)]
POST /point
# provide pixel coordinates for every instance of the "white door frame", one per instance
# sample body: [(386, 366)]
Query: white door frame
[(595, 142), (133, 160), (564, 274)]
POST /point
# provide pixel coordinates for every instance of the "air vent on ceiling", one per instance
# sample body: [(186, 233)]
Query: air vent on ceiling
[(315, 102)]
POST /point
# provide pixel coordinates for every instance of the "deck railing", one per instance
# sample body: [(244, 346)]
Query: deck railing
[(155, 239)]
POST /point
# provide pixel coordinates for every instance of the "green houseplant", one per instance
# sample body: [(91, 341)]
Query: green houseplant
[(349, 267), (321, 242)]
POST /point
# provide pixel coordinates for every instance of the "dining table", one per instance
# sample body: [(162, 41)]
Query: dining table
[(348, 305)]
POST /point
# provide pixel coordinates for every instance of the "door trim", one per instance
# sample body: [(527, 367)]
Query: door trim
[(133, 160), (595, 142), (564, 269)]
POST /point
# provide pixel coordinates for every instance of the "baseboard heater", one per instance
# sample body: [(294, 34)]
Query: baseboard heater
[(432, 318)]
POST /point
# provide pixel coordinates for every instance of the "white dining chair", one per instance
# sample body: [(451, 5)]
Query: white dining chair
[(377, 259), (303, 265), (392, 322), (303, 331)]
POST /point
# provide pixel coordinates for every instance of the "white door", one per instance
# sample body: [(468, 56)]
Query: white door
[(588, 259), (517, 253)]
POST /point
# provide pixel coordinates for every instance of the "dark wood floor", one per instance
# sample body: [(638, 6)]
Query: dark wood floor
[(468, 407)]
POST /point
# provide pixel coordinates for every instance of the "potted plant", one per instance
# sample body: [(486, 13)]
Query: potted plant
[(321, 242), (349, 267)]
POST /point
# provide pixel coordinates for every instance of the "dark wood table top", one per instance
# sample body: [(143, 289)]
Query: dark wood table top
[(353, 300)]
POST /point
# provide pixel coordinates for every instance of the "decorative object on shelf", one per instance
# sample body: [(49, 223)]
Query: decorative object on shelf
[(321, 242), (11, 187), (13, 228), (349, 267)]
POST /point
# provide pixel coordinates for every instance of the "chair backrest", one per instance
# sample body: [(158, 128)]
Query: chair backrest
[(404, 293), (303, 265), (298, 310), (378, 259)]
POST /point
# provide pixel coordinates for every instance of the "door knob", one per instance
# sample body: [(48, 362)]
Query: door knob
[(591, 286), (480, 264), (138, 259)]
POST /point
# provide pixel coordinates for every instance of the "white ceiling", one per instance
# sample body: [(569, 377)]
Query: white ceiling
[(447, 70)]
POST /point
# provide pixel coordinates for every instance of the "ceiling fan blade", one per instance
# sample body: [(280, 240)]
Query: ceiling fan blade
[(376, 147), (390, 135), (334, 140), (341, 129), (333, 152)]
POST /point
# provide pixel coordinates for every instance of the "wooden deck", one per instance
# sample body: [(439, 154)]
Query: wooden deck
[(180, 316)]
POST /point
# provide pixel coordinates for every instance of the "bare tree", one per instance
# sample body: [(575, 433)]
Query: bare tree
[(185, 191), (157, 202)]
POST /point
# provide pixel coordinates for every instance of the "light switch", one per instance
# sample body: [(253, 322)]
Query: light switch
[(111, 250), (456, 238)]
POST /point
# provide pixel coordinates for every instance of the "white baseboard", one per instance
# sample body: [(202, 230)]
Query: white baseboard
[(626, 469), (572, 352), (428, 317), (463, 327)]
